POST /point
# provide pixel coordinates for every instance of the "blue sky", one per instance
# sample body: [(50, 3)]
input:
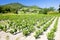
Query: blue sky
[(40, 3)]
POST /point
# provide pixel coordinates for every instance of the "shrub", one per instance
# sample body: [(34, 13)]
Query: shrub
[(11, 31), (37, 33), (1, 27), (25, 32), (50, 36)]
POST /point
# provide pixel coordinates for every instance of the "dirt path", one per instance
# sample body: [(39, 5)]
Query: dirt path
[(2, 35), (57, 34), (44, 36)]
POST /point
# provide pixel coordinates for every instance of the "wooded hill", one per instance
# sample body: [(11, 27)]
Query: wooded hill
[(20, 8)]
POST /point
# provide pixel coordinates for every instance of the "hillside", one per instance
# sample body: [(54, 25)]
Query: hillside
[(12, 7), (20, 8)]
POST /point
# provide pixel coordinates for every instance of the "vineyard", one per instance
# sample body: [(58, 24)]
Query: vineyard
[(29, 27)]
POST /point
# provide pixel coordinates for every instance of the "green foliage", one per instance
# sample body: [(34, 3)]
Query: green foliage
[(12, 7), (0, 9), (51, 34), (24, 23), (5, 28), (15, 30), (12, 31), (25, 32), (19, 8), (47, 25), (37, 33), (51, 9), (1, 27)]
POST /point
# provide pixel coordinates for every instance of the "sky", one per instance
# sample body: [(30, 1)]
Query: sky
[(39, 3)]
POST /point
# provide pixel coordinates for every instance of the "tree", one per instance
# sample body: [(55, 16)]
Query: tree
[(51, 9), (0, 9), (59, 8), (45, 10)]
